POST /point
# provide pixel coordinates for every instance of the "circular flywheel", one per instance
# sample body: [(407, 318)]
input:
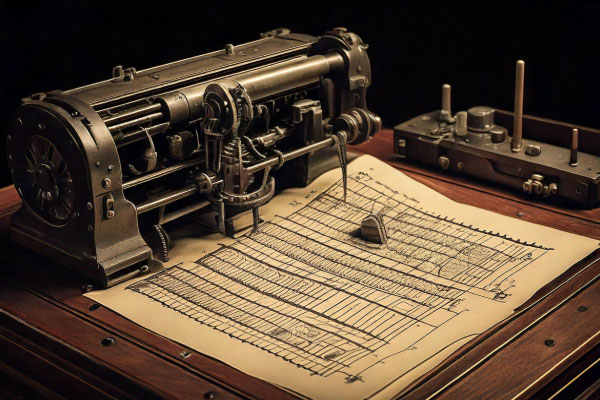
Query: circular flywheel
[(50, 186)]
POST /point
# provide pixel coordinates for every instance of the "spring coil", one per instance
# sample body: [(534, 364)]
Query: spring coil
[(164, 241)]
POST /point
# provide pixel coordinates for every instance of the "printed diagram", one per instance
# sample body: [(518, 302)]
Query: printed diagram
[(307, 289)]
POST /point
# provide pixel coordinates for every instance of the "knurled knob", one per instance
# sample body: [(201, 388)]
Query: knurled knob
[(480, 118)]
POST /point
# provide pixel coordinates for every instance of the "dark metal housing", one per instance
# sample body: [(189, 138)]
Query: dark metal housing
[(100, 165)]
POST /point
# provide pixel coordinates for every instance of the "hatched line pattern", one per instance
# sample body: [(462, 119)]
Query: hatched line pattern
[(307, 289)]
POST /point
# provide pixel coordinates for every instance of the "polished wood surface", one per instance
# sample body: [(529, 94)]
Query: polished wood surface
[(54, 341)]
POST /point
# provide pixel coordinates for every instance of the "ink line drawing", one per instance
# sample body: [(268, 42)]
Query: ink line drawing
[(307, 289)]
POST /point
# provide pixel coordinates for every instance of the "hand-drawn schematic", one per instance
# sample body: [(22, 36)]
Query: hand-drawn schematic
[(307, 289)]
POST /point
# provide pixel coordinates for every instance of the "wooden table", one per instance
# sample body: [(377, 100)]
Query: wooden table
[(54, 341)]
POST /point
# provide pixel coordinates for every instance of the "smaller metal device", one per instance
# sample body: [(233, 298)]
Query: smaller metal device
[(479, 142), (372, 229)]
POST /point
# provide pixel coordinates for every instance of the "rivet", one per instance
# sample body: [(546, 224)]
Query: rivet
[(41, 127), (108, 341), (106, 182), (209, 395), (97, 163), (9, 157), (89, 205), (460, 165), (359, 68), (20, 121), (582, 309), (109, 168), (549, 342), (520, 214), (8, 137), (110, 214), (90, 228), (75, 114)]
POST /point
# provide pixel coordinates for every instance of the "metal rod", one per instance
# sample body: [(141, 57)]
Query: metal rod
[(255, 218), (141, 134), (517, 134), (288, 75), (461, 123), (291, 155), (574, 147), (132, 113), (168, 198), (136, 122), (162, 172), (446, 98)]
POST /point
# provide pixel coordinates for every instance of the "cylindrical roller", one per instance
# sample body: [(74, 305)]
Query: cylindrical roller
[(446, 98), (288, 75), (461, 123), (574, 146), (515, 144)]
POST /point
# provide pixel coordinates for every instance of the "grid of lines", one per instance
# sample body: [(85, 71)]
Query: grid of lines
[(307, 289)]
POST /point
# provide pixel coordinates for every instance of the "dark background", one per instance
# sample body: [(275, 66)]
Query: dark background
[(414, 48)]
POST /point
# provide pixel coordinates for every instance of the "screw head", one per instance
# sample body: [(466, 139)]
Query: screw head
[(582, 309), (520, 214), (108, 341), (549, 342)]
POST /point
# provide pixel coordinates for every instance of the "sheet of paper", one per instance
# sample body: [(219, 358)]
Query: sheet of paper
[(306, 304)]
